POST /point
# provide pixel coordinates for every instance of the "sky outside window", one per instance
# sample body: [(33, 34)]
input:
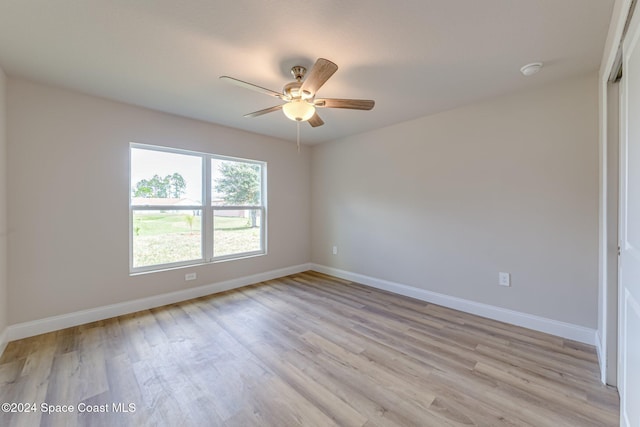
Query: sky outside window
[(147, 163)]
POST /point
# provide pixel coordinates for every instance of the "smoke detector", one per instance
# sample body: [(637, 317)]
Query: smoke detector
[(531, 69)]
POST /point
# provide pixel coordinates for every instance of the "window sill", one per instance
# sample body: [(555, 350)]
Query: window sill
[(196, 264)]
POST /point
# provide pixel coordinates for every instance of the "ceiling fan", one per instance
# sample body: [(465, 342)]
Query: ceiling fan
[(300, 95)]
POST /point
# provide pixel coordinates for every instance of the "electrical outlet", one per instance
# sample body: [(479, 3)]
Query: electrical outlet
[(335, 250), (504, 279), (190, 276)]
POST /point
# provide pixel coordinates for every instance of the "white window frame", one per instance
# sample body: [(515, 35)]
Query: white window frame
[(206, 240)]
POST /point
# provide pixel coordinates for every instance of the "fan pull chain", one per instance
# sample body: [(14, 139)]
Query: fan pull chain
[(298, 132)]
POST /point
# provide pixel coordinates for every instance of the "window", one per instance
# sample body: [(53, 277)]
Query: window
[(190, 208)]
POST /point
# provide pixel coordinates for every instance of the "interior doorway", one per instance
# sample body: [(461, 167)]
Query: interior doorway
[(612, 194)]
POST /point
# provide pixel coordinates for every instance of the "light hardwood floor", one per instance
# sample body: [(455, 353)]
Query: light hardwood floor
[(308, 350)]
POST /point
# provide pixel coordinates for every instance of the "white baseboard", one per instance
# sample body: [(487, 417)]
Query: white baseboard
[(537, 323), (602, 360), (54, 323), (4, 340)]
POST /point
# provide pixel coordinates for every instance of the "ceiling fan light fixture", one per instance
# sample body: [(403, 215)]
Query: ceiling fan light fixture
[(299, 96), (298, 110)]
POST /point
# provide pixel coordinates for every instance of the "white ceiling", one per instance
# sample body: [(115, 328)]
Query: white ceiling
[(414, 57)]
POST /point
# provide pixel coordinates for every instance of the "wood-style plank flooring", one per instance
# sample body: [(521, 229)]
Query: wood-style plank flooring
[(310, 350)]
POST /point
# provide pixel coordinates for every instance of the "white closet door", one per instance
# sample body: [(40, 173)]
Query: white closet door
[(629, 342)]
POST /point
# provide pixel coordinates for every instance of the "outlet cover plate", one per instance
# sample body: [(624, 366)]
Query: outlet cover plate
[(504, 279)]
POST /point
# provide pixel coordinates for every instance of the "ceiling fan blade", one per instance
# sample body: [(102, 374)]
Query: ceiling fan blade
[(252, 86), (265, 111), (315, 120), (352, 104), (319, 74)]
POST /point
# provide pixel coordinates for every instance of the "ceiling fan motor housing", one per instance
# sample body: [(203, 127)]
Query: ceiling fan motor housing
[(298, 72), (292, 91)]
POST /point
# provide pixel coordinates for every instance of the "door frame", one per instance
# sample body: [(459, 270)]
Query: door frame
[(612, 179), (608, 287)]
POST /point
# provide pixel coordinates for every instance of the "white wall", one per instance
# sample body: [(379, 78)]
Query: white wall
[(445, 202), (3, 211), (439, 203), (68, 157)]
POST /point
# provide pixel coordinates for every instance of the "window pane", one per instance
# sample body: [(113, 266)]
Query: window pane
[(235, 183), (167, 204), (236, 231), (159, 178), (162, 237)]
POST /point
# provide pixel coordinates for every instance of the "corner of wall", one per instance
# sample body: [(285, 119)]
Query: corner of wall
[(3, 213), (602, 360)]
